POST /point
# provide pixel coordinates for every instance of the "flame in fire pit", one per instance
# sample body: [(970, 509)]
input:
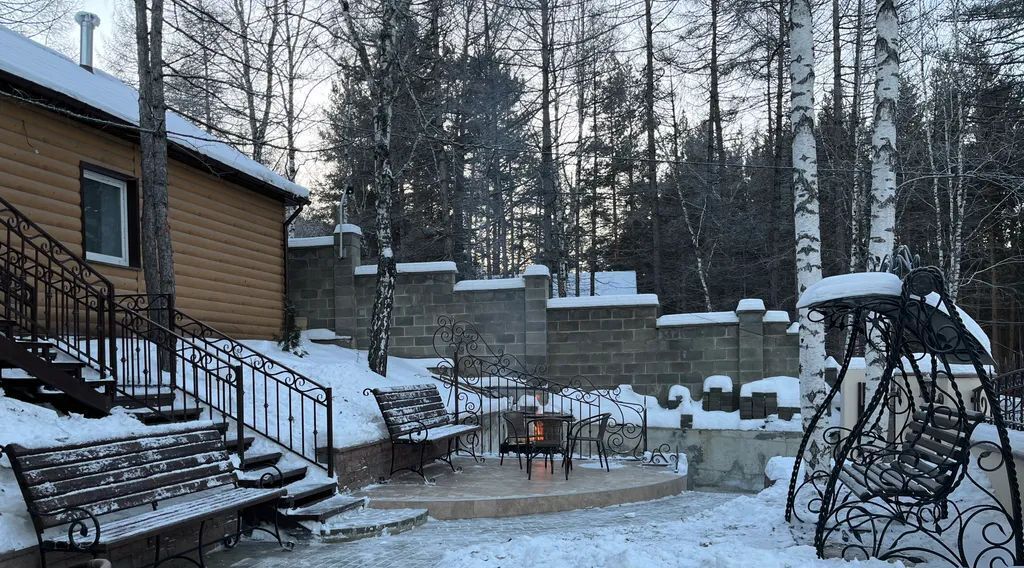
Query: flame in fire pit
[(538, 431)]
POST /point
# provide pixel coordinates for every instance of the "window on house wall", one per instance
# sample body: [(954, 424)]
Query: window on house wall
[(105, 217)]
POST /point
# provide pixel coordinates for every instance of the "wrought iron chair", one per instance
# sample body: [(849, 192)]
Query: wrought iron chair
[(516, 436), (582, 432)]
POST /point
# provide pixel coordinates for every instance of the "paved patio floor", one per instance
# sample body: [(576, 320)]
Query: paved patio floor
[(487, 489), (424, 546)]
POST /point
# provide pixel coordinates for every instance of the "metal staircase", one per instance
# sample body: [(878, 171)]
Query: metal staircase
[(66, 338)]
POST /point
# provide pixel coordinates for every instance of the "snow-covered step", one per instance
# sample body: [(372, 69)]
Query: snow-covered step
[(276, 477), (304, 492), (323, 510), (253, 462), (166, 414), (367, 522)]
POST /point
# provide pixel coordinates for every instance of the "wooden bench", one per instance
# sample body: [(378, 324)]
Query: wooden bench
[(416, 414), (90, 498), (925, 467)]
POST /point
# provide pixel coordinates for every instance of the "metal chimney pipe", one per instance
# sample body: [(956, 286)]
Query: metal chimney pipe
[(88, 22)]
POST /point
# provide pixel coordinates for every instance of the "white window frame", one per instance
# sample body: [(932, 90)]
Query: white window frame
[(123, 186)]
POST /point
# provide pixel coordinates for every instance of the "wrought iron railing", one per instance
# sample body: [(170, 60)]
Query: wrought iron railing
[(1009, 388), (175, 377), (75, 303), (280, 403), (484, 382), (19, 302)]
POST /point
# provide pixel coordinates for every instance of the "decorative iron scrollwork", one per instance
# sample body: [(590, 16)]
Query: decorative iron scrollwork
[(908, 480), (483, 381)]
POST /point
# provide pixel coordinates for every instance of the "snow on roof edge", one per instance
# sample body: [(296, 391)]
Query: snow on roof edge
[(24, 58)]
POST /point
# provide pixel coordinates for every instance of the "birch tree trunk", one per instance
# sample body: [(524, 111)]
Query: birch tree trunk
[(882, 236), (157, 252), (386, 88), (808, 225)]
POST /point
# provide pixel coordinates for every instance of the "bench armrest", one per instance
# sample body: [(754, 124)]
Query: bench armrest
[(419, 434), (83, 526)]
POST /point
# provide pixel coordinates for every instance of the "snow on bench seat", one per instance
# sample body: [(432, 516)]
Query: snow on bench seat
[(154, 522)]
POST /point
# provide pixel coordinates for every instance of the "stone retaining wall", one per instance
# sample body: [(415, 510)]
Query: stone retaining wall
[(726, 459), (610, 340)]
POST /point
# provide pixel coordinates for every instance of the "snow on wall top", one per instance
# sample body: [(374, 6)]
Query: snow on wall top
[(491, 284), (47, 68), (787, 389), (718, 382), (699, 318), (854, 285), (961, 370), (604, 301), (409, 267), (301, 242)]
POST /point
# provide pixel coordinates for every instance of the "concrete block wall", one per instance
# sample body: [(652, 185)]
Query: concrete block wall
[(311, 283), (609, 345), (610, 341)]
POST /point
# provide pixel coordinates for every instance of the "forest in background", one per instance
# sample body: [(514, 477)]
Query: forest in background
[(621, 135)]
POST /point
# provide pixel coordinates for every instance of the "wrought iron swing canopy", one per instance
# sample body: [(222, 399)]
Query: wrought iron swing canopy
[(890, 486)]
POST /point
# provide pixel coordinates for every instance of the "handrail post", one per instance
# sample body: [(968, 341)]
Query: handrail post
[(240, 414), (173, 361), (111, 335), (330, 431)]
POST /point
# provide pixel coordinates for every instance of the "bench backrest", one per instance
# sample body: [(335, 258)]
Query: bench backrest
[(938, 445), (409, 408), (116, 474)]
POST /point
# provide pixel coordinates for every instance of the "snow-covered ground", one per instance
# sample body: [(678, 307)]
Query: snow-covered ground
[(742, 532), (357, 420)]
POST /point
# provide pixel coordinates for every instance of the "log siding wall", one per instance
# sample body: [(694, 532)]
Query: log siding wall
[(228, 240)]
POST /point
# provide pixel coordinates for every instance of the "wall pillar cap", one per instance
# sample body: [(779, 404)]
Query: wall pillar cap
[(348, 228), (537, 270), (750, 305)]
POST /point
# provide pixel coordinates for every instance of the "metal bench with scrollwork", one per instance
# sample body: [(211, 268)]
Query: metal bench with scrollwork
[(91, 498), (416, 415)]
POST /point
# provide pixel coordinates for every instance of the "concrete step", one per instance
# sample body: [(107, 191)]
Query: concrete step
[(324, 510), (302, 493), (232, 443), (167, 415), (276, 477), (366, 522), (137, 397), (259, 461)]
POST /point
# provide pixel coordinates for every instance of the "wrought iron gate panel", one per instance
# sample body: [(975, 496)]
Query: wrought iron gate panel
[(484, 381)]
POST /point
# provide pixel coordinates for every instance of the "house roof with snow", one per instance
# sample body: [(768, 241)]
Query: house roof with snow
[(38, 72)]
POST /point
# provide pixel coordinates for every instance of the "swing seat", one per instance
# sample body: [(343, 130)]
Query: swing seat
[(927, 465)]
